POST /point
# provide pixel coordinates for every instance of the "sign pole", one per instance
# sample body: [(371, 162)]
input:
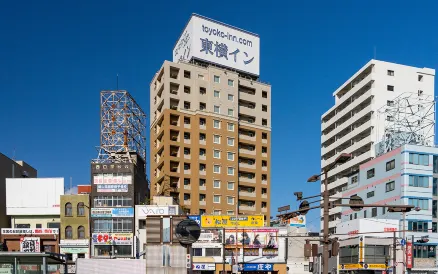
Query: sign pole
[(190, 259), (394, 251), (223, 252)]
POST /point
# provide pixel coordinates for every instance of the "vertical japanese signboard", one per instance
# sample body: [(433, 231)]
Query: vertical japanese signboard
[(409, 262), (30, 244), (215, 42)]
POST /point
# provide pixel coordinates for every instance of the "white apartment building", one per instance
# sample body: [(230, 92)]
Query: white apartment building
[(354, 124)]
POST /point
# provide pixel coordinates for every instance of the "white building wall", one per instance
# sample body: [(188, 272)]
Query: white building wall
[(33, 196), (405, 79)]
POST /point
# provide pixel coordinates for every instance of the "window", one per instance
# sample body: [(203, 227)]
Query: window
[(390, 72), (186, 136), (197, 252), (211, 252), (370, 194), (202, 137), (434, 227), (187, 74), (69, 256), (186, 166), (370, 173), (202, 167), (374, 212), (216, 169), (81, 255), (112, 225), (230, 171), (364, 213), (264, 94), (187, 89), (68, 232), (38, 226), (217, 184), (81, 209), (230, 200), (264, 122), (435, 186), (434, 208), (418, 202), (230, 185), (230, 97), (216, 139), (217, 212), (230, 212), (264, 136), (202, 182), (202, 152), (383, 211), (418, 226), (420, 78), (419, 159), (230, 127), (390, 165), (216, 199), (186, 197), (186, 181), (230, 141), (186, 105), (390, 186), (68, 209), (351, 217), (202, 90), (217, 79), (264, 108), (424, 251), (186, 120), (390, 103), (202, 121), (200, 76), (216, 94), (230, 156), (217, 109), (216, 154), (81, 232), (186, 151), (390, 88), (202, 197), (230, 83), (112, 201), (354, 179), (216, 124), (230, 112), (418, 181)]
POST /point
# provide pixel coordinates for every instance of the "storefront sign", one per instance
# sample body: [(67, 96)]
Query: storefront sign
[(30, 244), (196, 218), (226, 221), (361, 266), (256, 267), (204, 267), (24, 231), (112, 188), (74, 250), (112, 238), (112, 212), (409, 255), (250, 238), (70, 243), (270, 252), (109, 179), (144, 211), (299, 221)]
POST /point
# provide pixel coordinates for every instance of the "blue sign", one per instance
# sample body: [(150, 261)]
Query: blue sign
[(112, 212), (403, 242), (196, 218), (256, 267)]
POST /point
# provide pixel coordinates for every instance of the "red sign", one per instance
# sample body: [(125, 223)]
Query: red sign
[(353, 232), (409, 256), (390, 229)]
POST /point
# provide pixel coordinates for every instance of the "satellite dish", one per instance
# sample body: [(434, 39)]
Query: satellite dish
[(303, 206), (356, 200), (187, 232)]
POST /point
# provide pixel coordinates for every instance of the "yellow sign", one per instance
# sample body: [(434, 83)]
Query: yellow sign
[(361, 266), (226, 221)]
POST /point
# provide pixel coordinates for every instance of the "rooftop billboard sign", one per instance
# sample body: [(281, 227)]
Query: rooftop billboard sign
[(215, 42)]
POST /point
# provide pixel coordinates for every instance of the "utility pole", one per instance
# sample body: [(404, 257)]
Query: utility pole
[(325, 252), (394, 251)]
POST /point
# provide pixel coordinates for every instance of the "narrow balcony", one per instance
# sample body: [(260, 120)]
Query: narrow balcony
[(247, 208), (202, 203)]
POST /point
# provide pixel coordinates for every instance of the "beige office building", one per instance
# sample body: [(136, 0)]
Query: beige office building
[(210, 139)]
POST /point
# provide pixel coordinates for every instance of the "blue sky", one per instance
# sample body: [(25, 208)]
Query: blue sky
[(56, 56)]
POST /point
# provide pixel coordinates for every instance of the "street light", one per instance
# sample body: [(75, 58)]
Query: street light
[(344, 157)]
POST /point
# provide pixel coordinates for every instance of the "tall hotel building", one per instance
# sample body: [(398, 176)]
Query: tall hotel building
[(357, 121), (210, 125)]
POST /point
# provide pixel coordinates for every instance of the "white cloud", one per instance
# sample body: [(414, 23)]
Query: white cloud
[(73, 190)]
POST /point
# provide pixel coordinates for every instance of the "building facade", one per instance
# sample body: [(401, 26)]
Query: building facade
[(354, 124), (115, 189), (404, 176), (210, 134), (75, 220), (11, 169)]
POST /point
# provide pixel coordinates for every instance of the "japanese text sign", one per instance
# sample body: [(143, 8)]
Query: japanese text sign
[(112, 238), (218, 43), (30, 244), (409, 255), (225, 221), (112, 212), (35, 231), (256, 267), (112, 188)]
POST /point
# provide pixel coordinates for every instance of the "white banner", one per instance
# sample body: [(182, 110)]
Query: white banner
[(144, 211), (24, 231)]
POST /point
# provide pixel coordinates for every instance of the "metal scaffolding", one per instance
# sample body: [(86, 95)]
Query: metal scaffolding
[(407, 119), (122, 127)]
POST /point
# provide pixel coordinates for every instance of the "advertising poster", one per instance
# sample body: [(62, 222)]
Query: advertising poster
[(270, 252), (298, 221), (227, 221), (251, 238), (112, 188), (30, 244), (112, 212)]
